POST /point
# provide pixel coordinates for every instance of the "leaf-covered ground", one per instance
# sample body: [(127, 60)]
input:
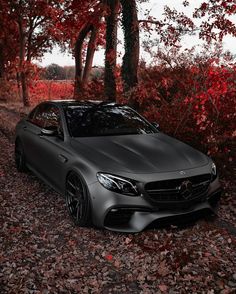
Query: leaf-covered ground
[(41, 251)]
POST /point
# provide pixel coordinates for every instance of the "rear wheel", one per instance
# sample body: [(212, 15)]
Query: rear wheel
[(77, 200), (20, 157)]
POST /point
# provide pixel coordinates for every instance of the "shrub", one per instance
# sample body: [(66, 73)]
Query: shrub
[(48, 90), (196, 104)]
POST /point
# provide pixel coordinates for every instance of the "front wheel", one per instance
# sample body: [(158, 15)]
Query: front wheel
[(77, 200), (20, 157)]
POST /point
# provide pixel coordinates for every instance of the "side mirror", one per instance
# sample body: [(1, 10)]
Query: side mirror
[(156, 125), (47, 132)]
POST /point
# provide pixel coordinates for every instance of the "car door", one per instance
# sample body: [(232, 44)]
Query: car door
[(30, 134), (46, 155), (52, 149)]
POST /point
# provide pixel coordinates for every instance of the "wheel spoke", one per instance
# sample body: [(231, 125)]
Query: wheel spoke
[(78, 211), (75, 197), (71, 184), (71, 203), (71, 194)]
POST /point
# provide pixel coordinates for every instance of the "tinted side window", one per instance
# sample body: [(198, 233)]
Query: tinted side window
[(45, 116), (51, 117), (37, 116)]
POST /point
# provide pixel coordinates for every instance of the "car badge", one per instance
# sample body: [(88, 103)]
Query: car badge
[(182, 172), (186, 189)]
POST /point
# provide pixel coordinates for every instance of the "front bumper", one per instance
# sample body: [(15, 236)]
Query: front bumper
[(123, 213)]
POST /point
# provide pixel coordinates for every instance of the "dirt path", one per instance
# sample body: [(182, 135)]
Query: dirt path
[(41, 250)]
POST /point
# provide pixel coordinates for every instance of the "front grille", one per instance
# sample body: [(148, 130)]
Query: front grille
[(179, 191)]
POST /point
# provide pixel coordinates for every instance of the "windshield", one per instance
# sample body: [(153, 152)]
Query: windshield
[(86, 121)]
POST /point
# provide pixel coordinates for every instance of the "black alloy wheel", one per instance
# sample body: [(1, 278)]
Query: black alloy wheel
[(77, 200), (20, 157)]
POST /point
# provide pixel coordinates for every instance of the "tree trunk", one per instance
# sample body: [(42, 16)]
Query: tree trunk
[(18, 85), (23, 76), (2, 75), (2, 70), (111, 49), (79, 61), (90, 54), (131, 35), (25, 89)]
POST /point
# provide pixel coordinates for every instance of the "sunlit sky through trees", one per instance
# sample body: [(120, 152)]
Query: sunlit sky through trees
[(156, 9)]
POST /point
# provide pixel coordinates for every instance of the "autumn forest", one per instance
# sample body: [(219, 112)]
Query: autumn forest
[(146, 63)]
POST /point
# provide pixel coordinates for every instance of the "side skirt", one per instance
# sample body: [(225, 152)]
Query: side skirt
[(42, 178)]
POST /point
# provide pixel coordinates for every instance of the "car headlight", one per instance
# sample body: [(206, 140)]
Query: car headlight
[(118, 184), (213, 172)]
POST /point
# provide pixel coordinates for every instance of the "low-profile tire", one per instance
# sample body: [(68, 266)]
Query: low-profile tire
[(20, 157), (77, 200)]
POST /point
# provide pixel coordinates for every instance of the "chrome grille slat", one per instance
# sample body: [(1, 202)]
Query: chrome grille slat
[(202, 183), (163, 191)]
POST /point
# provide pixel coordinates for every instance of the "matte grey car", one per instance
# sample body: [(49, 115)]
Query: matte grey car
[(115, 169)]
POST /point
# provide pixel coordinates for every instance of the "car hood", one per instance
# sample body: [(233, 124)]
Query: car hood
[(149, 153)]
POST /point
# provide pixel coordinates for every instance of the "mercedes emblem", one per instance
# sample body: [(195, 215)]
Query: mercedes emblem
[(186, 189)]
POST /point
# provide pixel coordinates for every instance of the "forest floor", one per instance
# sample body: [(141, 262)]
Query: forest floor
[(41, 251)]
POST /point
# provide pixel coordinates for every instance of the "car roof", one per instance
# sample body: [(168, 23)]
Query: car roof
[(72, 102)]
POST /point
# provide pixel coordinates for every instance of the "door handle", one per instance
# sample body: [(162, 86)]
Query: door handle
[(62, 158), (24, 128)]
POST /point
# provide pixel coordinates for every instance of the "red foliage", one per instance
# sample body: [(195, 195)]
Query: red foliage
[(48, 90), (109, 257), (196, 104)]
